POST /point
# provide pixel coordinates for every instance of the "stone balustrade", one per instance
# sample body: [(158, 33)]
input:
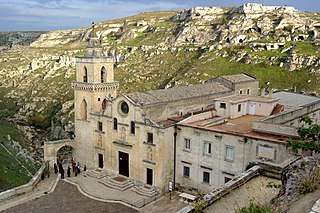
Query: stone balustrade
[(94, 86)]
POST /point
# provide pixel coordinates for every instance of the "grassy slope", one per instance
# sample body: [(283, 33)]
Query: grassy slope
[(12, 173), (183, 67)]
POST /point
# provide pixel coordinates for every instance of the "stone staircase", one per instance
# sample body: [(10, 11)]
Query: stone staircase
[(146, 190), (98, 173), (117, 182)]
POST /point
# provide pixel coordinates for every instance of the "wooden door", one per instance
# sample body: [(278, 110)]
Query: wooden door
[(124, 164), (149, 176), (100, 160)]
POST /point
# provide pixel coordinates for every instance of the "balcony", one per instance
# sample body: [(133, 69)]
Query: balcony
[(94, 86)]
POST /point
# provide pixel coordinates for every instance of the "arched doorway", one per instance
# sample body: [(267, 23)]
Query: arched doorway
[(65, 155)]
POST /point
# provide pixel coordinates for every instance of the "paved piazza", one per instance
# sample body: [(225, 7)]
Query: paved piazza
[(67, 198)]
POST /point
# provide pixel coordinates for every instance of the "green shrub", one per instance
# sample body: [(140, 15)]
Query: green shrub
[(307, 186), (311, 180), (254, 207), (40, 121)]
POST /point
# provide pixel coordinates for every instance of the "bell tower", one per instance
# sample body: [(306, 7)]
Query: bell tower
[(94, 79)]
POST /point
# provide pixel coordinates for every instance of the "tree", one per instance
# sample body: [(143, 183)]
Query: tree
[(309, 136)]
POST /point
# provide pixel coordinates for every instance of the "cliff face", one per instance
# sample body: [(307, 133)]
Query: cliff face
[(160, 50)]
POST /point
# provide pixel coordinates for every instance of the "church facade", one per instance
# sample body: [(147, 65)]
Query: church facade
[(133, 134), (173, 134)]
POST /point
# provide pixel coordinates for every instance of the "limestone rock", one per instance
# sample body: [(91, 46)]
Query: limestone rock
[(254, 8), (206, 13), (128, 35)]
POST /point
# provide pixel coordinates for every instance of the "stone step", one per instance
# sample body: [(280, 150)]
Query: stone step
[(98, 173), (117, 182), (146, 190)]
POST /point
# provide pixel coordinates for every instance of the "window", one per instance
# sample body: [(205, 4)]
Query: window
[(104, 104), (150, 137), (206, 177), (248, 92), (133, 127), (229, 153), (223, 105), (103, 74), (240, 92), (85, 74), (83, 110), (187, 143), (115, 123), (239, 107), (186, 171), (100, 126), (207, 148), (124, 107)]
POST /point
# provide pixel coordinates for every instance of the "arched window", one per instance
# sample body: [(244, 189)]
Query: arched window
[(85, 74), (104, 104), (115, 123), (83, 110), (103, 75), (133, 127)]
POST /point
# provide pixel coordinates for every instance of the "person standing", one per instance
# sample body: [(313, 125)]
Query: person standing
[(73, 166), (60, 168), (76, 172), (85, 170), (55, 168), (78, 166), (62, 173), (69, 171)]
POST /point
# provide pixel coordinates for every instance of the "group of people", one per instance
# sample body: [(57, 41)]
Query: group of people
[(76, 169)]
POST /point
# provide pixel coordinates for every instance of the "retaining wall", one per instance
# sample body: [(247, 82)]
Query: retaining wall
[(28, 187)]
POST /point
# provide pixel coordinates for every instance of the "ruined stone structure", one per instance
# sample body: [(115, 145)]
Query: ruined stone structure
[(145, 136)]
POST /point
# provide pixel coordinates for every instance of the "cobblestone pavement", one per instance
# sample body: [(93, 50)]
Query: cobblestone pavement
[(67, 198)]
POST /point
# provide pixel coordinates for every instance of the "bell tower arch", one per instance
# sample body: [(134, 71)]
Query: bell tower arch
[(94, 77)]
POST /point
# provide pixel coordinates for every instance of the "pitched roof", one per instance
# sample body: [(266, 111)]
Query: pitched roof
[(176, 93), (237, 78)]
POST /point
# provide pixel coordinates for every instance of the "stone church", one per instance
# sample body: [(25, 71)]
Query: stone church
[(151, 137)]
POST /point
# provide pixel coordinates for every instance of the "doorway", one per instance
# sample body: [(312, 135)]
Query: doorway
[(149, 176), (100, 157), (124, 164), (252, 108)]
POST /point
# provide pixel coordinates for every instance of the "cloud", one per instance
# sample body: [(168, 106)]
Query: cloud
[(64, 14)]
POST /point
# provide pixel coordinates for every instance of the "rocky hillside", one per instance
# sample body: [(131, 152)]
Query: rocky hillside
[(278, 45), (13, 39)]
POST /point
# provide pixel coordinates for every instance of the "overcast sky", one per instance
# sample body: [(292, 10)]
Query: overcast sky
[(71, 14)]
